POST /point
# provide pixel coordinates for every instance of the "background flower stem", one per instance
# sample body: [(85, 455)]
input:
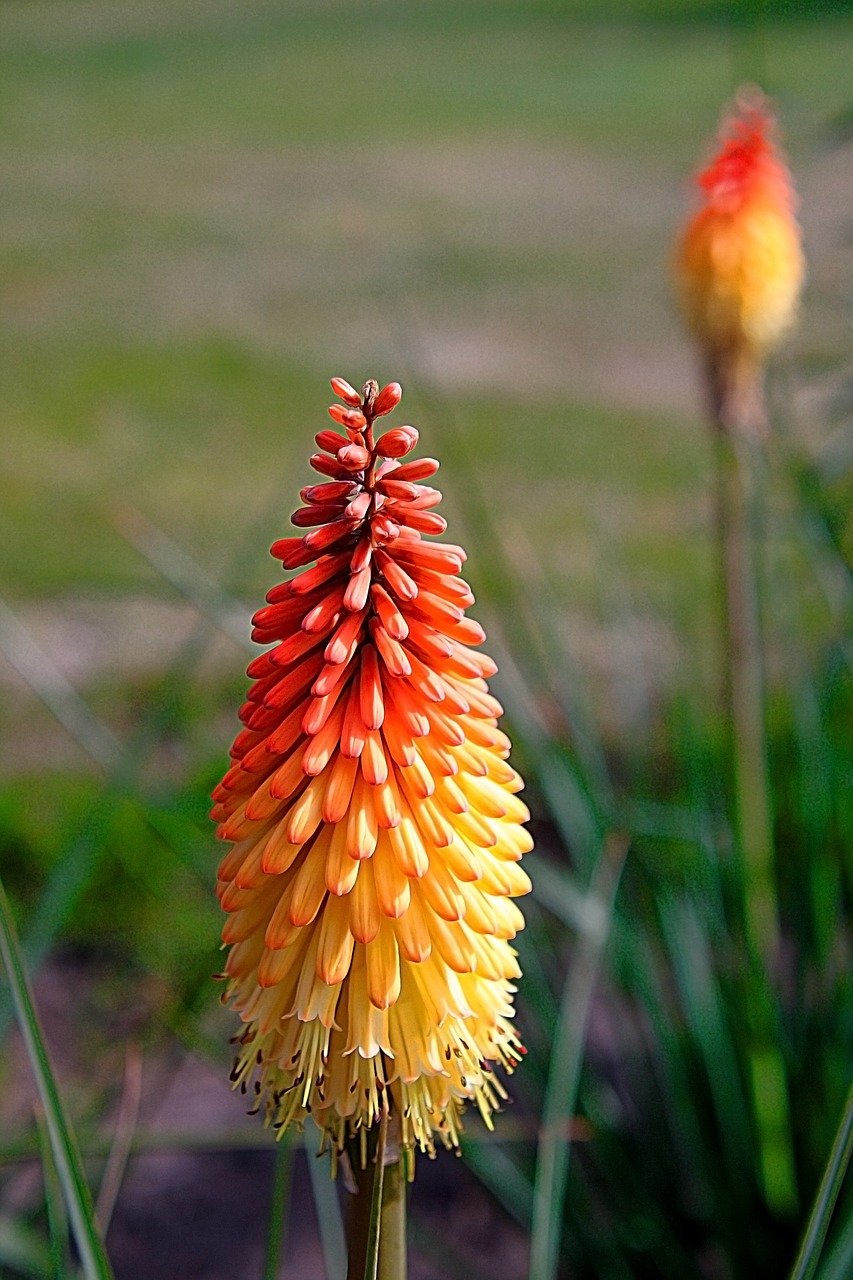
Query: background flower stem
[(744, 694)]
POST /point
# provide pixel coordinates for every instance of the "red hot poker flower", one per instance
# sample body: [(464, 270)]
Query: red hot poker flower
[(374, 819), (739, 265)]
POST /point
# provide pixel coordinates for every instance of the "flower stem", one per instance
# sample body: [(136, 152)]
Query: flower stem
[(279, 1201), (745, 694), (376, 1217), (744, 680)]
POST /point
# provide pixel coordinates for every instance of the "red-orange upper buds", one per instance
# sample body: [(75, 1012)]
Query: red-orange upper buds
[(389, 397)]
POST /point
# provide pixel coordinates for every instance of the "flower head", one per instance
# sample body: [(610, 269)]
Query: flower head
[(739, 264), (374, 819)]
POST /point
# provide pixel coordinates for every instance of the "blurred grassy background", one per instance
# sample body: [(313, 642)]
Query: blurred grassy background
[(205, 211)]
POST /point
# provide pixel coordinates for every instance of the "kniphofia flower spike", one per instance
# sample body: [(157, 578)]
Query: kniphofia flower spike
[(739, 264), (374, 818)]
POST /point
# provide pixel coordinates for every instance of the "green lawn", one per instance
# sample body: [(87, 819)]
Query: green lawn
[(204, 214)]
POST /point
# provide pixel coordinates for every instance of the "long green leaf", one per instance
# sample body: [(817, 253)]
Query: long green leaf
[(838, 1264), (705, 1010), (552, 1164), (508, 1183), (57, 1214), (68, 1163), (55, 691), (827, 1194), (329, 1216), (25, 1251)]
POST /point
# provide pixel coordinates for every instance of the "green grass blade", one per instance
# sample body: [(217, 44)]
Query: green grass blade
[(497, 1171), (704, 1007), (55, 691), (22, 1250), (57, 1216), (186, 576), (329, 1217), (125, 1127), (838, 1264), (554, 888), (69, 1166), (552, 1165), (635, 956), (827, 1194)]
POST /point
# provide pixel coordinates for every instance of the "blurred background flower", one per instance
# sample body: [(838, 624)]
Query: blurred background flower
[(739, 265)]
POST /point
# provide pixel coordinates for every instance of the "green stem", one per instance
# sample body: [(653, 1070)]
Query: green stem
[(376, 1217), (277, 1219), (827, 1194), (744, 679)]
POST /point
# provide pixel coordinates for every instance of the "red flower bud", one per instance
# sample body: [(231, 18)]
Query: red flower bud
[(320, 514), (354, 457), (329, 441), (332, 492), (328, 466), (418, 469), (351, 418), (347, 393), (389, 397), (357, 509), (384, 529), (397, 442)]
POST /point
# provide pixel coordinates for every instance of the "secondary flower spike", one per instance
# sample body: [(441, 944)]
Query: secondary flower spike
[(739, 265), (374, 819)]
